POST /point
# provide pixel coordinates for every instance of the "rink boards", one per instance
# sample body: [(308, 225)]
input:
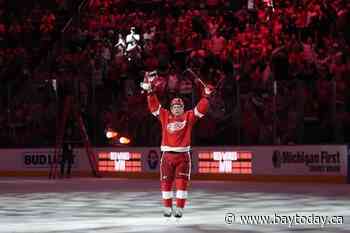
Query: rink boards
[(309, 163)]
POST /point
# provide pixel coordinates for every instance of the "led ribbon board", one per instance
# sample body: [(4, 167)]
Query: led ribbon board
[(232, 162), (119, 161)]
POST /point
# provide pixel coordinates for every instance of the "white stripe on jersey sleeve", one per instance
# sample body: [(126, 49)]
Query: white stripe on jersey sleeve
[(197, 113), (156, 113)]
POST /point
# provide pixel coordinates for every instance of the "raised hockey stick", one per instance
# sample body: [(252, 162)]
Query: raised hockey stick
[(196, 76)]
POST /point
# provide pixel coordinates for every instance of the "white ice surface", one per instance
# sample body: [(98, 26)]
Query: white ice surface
[(110, 205)]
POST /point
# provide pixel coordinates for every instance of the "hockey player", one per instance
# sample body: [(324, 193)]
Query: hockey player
[(175, 163)]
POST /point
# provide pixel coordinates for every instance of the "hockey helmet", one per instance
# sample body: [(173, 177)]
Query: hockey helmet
[(177, 101)]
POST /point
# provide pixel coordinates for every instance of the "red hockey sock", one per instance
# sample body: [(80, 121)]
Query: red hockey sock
[(181, 192), (167, 193)]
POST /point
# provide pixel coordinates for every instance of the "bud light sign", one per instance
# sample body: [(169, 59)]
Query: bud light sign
[(42, 159)]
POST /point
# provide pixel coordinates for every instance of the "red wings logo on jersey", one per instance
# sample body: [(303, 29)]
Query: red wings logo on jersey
[(176, 126)]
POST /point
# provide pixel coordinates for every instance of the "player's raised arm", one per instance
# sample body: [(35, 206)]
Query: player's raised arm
[(153, 102), (202, 107)]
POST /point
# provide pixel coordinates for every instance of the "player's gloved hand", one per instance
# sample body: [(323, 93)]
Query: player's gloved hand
[(146, 86), (208, 90)]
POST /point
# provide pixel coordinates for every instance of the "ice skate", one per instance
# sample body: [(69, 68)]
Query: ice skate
[(178, 212), (167, 211)]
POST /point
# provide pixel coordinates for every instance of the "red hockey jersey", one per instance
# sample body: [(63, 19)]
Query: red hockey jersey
[(176, 130)]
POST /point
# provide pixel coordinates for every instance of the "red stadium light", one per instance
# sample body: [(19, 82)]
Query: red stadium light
[(124, 140), (111, 134)]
